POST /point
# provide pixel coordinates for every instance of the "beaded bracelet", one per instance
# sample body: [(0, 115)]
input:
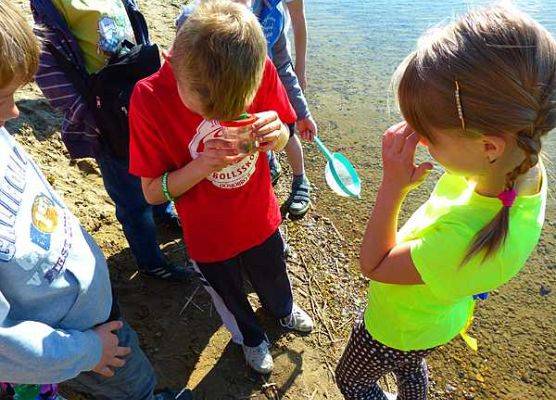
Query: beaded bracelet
[(165, 187)]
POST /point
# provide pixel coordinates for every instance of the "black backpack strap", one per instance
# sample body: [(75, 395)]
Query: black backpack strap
[(76, 77), (138, 22)]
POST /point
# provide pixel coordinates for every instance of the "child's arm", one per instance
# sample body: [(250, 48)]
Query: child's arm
[(59, 90), (281, 59), (33, 352), (299, 25), (218, 154), (272, 134), (381, 259)]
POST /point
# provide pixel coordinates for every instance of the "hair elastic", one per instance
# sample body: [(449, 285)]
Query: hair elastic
[(507, 197), (458, 105)]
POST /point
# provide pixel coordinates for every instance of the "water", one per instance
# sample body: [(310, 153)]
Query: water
[(356, 45)]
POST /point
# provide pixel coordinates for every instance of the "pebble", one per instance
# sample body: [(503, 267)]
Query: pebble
[(545, 290), (526, 377), (449, 388)]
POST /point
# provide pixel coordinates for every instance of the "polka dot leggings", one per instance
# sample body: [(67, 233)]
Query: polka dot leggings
[(365, 361)]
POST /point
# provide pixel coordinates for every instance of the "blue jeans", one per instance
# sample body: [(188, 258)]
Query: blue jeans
[(134, 381), (132, 210)]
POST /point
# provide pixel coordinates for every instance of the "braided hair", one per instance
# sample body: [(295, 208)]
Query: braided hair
[(492, 72)]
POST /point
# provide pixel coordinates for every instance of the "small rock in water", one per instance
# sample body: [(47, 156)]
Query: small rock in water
[(544, 290)]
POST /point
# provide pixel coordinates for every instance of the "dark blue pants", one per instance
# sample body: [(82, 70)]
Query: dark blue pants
[(132, 210), (265, 266)]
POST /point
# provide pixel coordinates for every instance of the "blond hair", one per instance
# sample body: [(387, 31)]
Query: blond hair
[(19, 48), (219, 53), (492, 72)]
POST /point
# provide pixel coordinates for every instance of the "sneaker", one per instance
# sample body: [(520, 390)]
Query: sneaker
[(169, 272), (167, 394), (259, 358), (390, 396), (300, 200), (275, 168), (298, 320)]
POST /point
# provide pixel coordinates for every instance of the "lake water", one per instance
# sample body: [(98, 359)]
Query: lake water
[(355, 47)]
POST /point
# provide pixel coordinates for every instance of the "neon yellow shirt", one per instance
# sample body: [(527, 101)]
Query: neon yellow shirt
[(417, 317), (99, 26)]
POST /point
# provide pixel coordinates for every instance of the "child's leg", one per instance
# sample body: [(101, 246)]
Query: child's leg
[(275, 167), (134, 381), (136, 217), (224, 282), (361, 366), (366, 360), (412, 379), (266, 267), (299, 200), (294, 151)]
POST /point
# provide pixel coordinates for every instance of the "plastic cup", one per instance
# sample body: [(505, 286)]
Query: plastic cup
[(240, 133)]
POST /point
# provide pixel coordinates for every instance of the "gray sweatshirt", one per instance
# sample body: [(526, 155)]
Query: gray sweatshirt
[(54, 283), (281, 57)]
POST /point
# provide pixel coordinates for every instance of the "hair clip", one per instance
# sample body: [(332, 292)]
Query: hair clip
[(458, 105)]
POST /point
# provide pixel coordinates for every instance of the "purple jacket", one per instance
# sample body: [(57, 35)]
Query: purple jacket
[(79, 131)]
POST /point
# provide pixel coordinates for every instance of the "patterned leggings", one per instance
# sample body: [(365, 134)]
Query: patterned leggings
[(365, 361)]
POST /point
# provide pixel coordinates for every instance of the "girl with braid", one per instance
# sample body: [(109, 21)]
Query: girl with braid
[(480, 94)]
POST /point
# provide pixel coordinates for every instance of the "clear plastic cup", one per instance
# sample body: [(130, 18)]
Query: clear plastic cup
[(240, 132)]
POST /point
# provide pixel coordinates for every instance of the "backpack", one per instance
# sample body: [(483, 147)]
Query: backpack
[(107, 92), (110, 90)]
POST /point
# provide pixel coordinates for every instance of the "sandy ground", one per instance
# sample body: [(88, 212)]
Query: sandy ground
[(183, 336)]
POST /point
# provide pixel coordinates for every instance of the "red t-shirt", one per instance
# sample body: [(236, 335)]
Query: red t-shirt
[(232, 210)]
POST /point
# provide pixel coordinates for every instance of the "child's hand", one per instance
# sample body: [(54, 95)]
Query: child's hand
[(219, 153), (307, 128), (111, 353), (267, 129), (398, 157)]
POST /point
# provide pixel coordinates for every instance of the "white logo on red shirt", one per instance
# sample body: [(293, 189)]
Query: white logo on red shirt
[(230, 177)]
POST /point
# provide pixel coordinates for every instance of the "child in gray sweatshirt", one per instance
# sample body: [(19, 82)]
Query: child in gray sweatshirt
[(58, 319)]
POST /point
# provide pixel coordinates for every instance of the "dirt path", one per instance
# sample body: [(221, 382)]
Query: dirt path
[(182, 334)]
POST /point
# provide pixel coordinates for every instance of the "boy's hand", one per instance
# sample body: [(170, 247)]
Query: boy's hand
[(219, 153), (267, 129), (398, 157), (111, 353), (307, 128)]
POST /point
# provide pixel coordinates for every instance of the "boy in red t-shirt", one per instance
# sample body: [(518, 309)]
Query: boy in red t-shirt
[(217, 70)]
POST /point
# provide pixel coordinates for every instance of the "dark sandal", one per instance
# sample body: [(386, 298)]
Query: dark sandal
[(300, 199)]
